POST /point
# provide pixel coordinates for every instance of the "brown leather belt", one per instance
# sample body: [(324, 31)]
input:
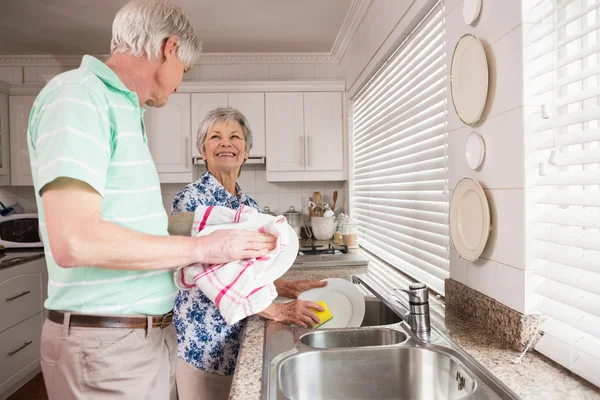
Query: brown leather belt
[(100, 321)]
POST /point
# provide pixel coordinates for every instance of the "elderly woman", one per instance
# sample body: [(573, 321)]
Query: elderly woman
[(207, 346)]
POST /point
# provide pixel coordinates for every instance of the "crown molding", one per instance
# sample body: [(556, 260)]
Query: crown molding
[(355, 14), (262, 86), (357, 11)]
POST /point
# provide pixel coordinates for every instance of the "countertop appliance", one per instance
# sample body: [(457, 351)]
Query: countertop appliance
[(20, 231), (329, 256)]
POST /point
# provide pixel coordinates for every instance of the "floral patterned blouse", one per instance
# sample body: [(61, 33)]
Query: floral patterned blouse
[(203, 338)]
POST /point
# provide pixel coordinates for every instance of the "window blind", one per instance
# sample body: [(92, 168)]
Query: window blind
[(562, 69), (399, 157)]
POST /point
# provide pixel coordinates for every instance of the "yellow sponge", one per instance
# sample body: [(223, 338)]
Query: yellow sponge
[(325, 315)]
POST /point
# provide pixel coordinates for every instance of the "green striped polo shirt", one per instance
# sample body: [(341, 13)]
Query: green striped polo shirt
[(86, 125)]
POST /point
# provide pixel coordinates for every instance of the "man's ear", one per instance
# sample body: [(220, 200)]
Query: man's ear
[(170, 47)]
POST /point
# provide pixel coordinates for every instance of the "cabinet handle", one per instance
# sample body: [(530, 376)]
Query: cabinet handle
[(308, 150), (302, 148), (12, 353), (19, 295), (187, 152)]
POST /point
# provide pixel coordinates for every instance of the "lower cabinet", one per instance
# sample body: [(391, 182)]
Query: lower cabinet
[(22, 294)]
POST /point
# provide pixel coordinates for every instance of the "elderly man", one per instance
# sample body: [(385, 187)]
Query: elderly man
[(110, 293)]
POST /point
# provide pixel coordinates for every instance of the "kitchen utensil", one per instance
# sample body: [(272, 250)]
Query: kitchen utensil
[(471, 10), (285, 258), (294, 218), (335, 197), (345, 302), (469, 79), (317, 197), (475, 150), (469, 219)]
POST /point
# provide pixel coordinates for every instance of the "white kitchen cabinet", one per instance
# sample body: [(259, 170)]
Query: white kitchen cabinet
[(20, 167), (304, 136), (252, 105), (4, 141), (169, 138), (23, 290)]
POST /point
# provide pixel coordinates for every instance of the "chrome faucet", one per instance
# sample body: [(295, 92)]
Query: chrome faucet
[(417, 314)]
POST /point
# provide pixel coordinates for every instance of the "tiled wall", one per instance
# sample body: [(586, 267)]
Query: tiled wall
[(202, 72), (279, 196), (500, 272), (24, 195)]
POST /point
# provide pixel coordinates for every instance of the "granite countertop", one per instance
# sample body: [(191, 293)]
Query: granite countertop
[(12, 258), (536, 377)]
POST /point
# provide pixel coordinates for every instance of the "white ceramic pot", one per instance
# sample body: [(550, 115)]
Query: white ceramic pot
[(323, 228)]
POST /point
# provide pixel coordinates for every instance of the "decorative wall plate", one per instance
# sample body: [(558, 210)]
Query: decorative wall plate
[(475, 150), (469, 79)]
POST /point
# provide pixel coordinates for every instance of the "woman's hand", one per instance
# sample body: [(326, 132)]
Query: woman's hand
[(292, 289), (297, 312)]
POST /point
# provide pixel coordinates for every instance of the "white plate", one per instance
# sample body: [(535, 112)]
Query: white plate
[(469, 79), (469, 219), (344, 300), (471, 10), (285, 258), (475, 150)]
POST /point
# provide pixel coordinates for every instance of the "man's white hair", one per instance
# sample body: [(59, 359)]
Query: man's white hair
[(142, 26)]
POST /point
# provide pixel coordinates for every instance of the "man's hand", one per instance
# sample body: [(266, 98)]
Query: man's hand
[(298, 312), (228, 245), (292, 289)]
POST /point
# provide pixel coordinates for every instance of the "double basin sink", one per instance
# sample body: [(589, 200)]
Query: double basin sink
[(382, 359)]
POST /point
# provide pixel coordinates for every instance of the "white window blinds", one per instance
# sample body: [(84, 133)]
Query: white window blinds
[(399, 160), (562, 69)]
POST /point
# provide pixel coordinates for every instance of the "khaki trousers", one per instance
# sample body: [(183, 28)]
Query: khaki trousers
[(102, 364), (195, 384)]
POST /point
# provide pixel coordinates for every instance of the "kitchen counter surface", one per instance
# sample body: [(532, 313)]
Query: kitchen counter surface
[(536, 377), (12, 258)]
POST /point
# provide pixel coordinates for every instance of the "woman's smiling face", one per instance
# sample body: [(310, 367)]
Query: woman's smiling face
[(225, 147)]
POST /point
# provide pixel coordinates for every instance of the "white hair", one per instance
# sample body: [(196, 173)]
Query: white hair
[(142, 26)]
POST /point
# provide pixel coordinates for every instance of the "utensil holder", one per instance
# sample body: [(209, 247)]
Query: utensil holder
[(323, 228)]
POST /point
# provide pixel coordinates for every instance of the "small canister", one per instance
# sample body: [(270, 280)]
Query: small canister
[(350, 234), (267, 210), (294, 218)]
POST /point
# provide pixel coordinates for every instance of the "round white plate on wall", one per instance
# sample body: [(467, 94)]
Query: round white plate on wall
[(469, 77), (471, 10), (469, 219), (475, 150)]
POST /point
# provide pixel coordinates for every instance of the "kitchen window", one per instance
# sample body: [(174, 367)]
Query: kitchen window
[(562, 93), (399, 179)]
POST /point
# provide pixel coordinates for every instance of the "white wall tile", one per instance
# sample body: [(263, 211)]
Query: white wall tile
[(26, 198), (510, 287), (303, 71), (262, 186), (247, 181), (458, 268), (289, 187), (308, 188), (210, 72), (326, 72), (280, 71), (289, 199), (234, 72), (481, 276), (257, 71), (510, 210), (268, 199), (29, 74)]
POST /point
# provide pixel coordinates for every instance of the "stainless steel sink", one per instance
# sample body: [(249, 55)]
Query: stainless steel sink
[(382, 359), (374, 373), (353, 338)]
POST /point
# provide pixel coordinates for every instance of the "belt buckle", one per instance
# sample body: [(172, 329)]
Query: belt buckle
[(163, 322)]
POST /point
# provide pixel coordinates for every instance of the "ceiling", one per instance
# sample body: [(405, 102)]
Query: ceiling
[(75, 27)]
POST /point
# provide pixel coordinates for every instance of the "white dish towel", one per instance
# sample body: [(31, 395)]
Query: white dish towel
[(232, 286)]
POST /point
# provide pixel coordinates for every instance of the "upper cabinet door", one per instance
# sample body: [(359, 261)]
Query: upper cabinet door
[(285, 131), (323, 130), (20, 108), (4, 142), (168, 131), (202, 104), (252, 105)]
